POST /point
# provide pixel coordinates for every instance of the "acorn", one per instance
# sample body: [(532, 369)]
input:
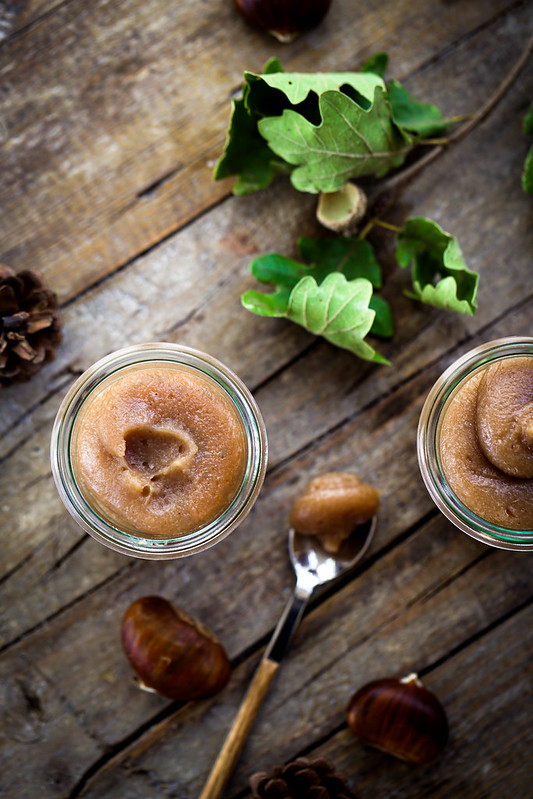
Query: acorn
[(400, 717), (172, 653), (284, 19)]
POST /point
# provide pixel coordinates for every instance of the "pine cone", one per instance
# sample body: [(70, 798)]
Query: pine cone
[(30, 325), (301, 779)]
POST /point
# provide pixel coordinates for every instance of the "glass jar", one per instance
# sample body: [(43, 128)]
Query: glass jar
[(119, 535), (429, 443)]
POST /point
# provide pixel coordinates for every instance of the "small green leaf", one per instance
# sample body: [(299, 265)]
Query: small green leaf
[(527, 174), (261, 304), (273, 65), (269, 95), (283, 274), (338, 310), (377, 64), (278, 270), (246, 154), (351, 259), (352, 256), (440, 275), (415, 116), (383, 324), (527, 125), (348, 143), (296, 86)]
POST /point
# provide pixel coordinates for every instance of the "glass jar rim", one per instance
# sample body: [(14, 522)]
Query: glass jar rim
[(128, 541), (427, 448)]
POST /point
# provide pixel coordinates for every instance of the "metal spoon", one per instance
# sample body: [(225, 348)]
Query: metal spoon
[(313, 567)]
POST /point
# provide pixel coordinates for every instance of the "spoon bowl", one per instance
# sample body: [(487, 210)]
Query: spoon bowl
[(308, 555)]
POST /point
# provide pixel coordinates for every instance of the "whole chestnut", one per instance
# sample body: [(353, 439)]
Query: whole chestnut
[(284, 19), (171, 652), (400, 717)]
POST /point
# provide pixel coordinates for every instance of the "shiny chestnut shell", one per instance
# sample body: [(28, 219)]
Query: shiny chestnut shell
[(171, 652), (400, 717), (284, 19)]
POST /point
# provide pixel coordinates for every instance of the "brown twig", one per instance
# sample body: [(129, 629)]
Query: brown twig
[(401, 179)]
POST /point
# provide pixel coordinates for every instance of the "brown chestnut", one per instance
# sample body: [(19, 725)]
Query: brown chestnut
[(401, 717), (171, 652), (284, 19)]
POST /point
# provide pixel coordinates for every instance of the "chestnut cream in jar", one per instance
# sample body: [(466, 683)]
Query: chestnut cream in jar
[(158, 450), (475, 443)]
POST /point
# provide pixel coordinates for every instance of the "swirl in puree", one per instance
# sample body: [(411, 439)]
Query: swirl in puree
[(486, 443)]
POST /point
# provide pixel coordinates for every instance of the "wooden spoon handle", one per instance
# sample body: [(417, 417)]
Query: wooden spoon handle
[(239, 730)]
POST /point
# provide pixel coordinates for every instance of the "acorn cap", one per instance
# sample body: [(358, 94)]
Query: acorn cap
[(342, 210)]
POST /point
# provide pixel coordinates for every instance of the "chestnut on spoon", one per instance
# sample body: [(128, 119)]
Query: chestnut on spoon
[(313, 566)]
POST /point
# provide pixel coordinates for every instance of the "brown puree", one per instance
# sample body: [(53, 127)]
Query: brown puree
[(486, 443), (160, 451)]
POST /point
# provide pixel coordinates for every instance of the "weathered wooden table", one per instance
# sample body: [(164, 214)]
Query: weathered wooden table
[(112, 114)]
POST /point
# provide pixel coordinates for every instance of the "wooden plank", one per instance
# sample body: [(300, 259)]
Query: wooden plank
[(490, 727), (66, 688), (425, 597), (109, 142)]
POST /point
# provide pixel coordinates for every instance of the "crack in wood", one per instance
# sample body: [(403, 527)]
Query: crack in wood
[(115, 752), (7, 20), (20, 565), (65, 608), (152, 187), (65, 557)]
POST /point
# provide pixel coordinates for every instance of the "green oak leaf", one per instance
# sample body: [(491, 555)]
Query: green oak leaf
[(348, 143), (246, 154), (383, 324), (423, 119), (527, 125), (352, 258), (527, 174), (338, 310), (440, 275), (322, 128), (283, 274), (270, 94), (377, 64), (273, 65)]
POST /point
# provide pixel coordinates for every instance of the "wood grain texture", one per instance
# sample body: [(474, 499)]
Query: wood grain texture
[(400, 616), (484, 757), (113, 113)]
